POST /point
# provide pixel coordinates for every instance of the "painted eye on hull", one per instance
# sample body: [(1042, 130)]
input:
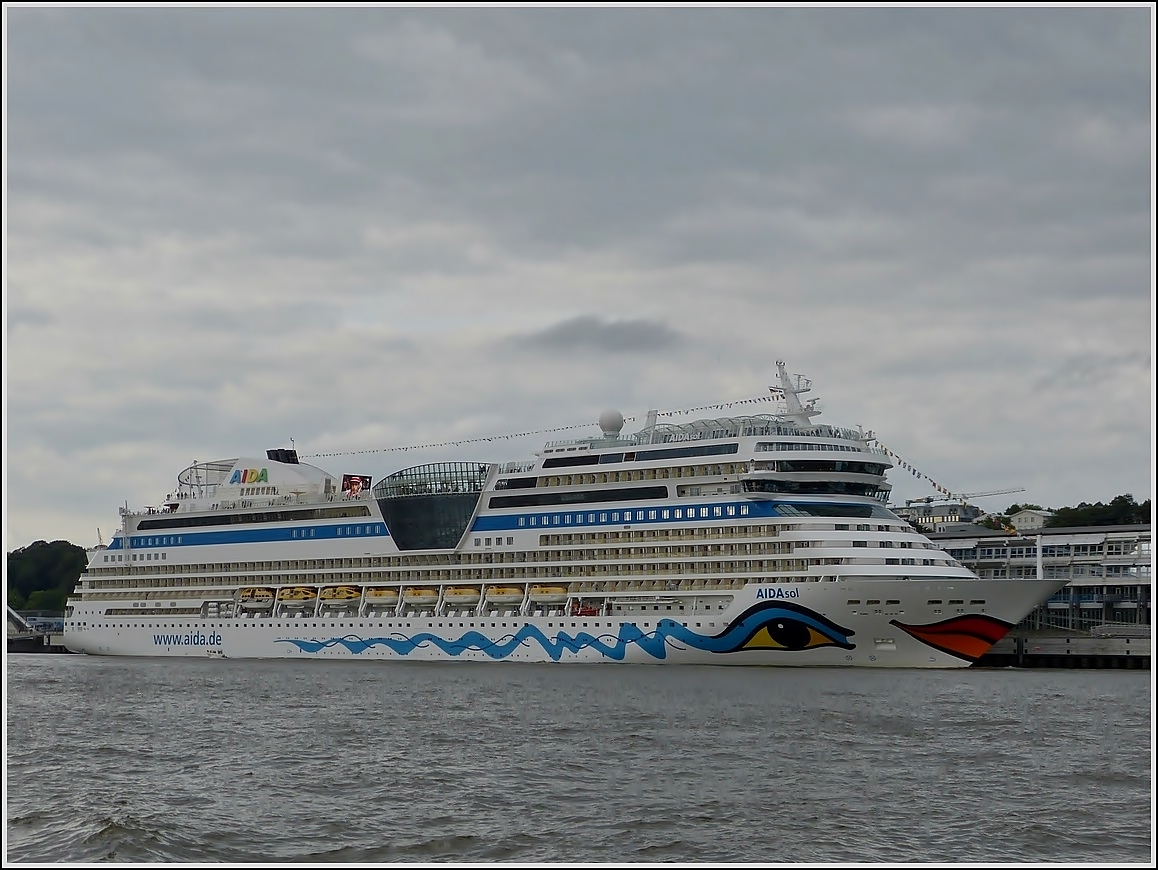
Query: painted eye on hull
[(786, 626), (789, 634)]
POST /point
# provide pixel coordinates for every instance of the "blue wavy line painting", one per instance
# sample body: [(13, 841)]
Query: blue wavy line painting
[(769, 625)]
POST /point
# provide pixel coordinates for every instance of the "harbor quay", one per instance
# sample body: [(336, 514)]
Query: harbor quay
[(28, 633), (1099, 619), (1043, 649)]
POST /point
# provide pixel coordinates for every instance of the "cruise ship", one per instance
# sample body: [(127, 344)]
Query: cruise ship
[(748, 540)]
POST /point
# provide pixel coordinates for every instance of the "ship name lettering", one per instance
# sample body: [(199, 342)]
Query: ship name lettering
[(765, 592), (250, 475)]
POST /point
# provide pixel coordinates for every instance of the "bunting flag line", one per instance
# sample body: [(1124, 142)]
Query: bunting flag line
[(920, 475), (776, 394)]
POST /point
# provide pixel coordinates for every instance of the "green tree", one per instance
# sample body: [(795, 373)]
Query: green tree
[(997, 522), (1121, 511), (1014, 508), (50, 600), (41, 575)]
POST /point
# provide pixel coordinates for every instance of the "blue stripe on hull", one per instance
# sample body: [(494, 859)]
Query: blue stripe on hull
[(553, 521), (556, 520), (256, 535)]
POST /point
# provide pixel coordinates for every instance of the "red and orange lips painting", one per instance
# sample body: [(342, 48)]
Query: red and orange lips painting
[(967, 637)]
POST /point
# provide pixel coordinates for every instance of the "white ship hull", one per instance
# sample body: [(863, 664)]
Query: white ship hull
[(800, 625)]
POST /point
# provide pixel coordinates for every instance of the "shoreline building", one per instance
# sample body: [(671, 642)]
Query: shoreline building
[(1108, 569), (938, 515), (1028, 519)]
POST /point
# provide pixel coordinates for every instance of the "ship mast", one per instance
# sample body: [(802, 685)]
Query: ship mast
[(798, 413)]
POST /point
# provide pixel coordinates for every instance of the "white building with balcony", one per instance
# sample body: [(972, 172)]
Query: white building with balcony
[(1108, 569)]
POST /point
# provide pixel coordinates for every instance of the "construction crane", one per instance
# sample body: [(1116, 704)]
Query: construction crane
[(961, 496)]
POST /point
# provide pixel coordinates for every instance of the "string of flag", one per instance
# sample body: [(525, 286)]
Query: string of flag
[(775, 393), (920, 475)]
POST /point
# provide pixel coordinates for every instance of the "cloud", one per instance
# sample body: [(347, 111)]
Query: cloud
[(588, 333), (376, 229), (429, 75), (916, 126)]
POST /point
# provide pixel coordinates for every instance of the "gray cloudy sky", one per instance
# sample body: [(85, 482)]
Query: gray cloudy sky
[(373, 228)]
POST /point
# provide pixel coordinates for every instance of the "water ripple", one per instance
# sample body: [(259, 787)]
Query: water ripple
[(317, 762)]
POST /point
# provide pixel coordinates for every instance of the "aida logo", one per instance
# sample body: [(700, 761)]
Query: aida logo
[(250, 475)]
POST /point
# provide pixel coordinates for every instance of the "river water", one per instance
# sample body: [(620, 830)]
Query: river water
[(208, 761)]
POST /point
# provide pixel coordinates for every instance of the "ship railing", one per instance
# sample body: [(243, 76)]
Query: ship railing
[(518, 467), (205, 504), (706, 430)]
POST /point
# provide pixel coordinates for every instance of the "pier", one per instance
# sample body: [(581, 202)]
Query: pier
[(23, 637), (1120, 648)]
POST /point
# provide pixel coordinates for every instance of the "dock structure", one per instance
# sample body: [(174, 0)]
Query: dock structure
[(24, 637), (1127, 648)]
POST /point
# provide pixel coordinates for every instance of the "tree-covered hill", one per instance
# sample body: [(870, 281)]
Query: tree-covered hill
[(1121, 511), (41, 575)]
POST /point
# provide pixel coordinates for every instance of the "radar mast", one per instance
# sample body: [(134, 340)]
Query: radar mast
[(798, 413)]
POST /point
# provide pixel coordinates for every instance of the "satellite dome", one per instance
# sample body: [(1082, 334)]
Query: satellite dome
[(611, 422)]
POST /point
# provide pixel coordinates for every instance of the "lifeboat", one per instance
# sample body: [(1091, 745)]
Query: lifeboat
[(505, 595), (297, 596), (339, 594), (461, 596), (420, 596), (549, 594), (382, 594), (255, 598)]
